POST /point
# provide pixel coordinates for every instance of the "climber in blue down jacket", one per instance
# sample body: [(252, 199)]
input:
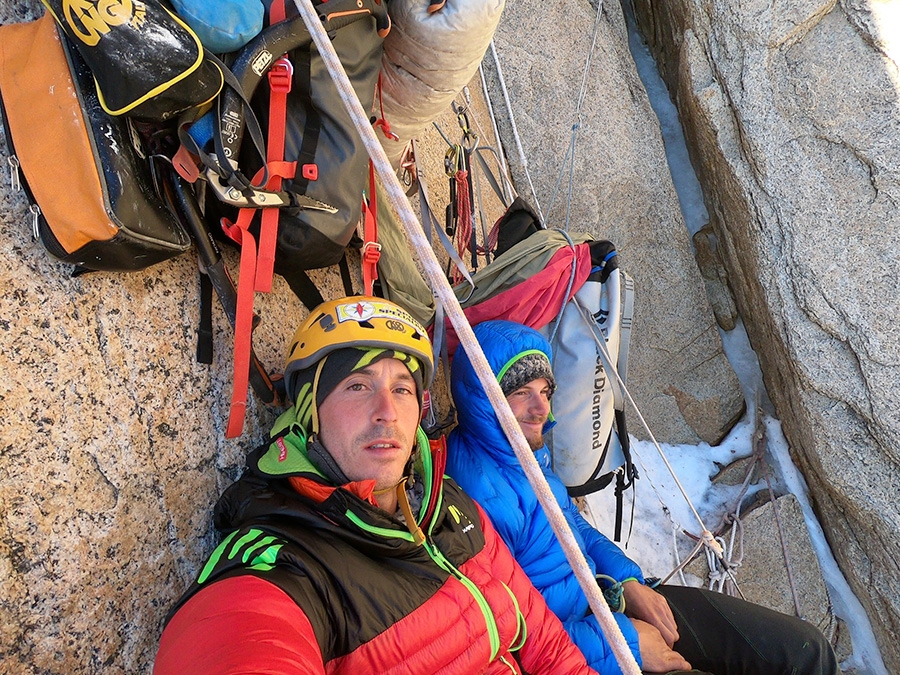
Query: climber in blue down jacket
[(669, 628)]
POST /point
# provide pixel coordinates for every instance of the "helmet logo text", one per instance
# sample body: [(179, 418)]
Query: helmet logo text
[(362, 311)]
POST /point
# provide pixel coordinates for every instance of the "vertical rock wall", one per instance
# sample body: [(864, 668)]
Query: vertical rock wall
[(112, 446), (620, 190), (792, 115)]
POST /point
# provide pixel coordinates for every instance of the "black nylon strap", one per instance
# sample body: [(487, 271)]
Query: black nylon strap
[(313, 126), (344, 266), (590, 486), (624, 475), (204, 330), (304, 288)]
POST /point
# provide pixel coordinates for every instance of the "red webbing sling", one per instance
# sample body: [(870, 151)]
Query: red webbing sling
[(371, 250), (256, 267)]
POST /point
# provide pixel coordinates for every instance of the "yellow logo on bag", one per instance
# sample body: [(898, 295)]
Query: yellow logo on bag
[(90, 20)]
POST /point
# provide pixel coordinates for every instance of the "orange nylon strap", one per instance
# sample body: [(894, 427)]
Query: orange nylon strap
[(243, 323), (185, 164), (256, 267), (371, 250), (280, 76), (239, 232)]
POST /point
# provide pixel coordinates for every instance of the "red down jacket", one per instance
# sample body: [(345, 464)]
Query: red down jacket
[(313, 579)]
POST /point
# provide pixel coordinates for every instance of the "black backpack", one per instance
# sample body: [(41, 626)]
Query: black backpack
[(317, 173)]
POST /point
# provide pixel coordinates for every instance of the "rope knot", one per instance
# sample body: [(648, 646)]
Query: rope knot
[(612, 593), (385, 127)]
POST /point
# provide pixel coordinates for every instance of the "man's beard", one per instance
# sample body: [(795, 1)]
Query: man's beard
[(535, 442)]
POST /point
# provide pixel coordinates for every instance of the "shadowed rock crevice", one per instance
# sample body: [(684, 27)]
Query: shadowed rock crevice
[(798, 179)]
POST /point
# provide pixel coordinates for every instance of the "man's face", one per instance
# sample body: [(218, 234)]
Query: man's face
[(531, 406), (368, 423)]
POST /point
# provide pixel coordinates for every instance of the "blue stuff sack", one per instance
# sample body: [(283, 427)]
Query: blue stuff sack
[(222, 26)]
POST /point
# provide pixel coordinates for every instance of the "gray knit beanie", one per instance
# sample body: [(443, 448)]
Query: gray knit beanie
[(529, 367)]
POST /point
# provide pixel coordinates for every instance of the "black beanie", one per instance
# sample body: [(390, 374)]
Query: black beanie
[(335, 367)]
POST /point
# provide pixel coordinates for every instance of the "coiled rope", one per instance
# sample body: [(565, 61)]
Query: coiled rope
[(444, 293)]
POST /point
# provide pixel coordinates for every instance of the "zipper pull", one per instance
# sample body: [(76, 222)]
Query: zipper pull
[(35, 213), (14, 173)]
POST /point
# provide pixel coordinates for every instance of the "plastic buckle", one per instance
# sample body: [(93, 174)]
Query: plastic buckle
[(310, 171), (281, 75), (371, 252), (185, 165)]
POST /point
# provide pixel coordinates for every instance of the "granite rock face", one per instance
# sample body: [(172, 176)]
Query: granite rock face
[(112, 443), (792, 117), (112, 436), (621, 190), (112, 450)]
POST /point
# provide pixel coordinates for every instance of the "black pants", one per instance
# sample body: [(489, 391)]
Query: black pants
[(723, 635)]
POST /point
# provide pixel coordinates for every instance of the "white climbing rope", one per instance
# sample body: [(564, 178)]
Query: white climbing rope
[(515, 131), (444, 293), (501, 156), (569, 159)]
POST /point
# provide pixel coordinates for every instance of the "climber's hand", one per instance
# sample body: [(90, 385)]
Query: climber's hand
[(656, 655), (642, 602)]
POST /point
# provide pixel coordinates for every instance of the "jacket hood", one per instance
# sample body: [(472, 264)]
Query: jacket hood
[(502, 342)]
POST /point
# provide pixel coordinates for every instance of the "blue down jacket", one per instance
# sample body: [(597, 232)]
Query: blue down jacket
[(482, 461)]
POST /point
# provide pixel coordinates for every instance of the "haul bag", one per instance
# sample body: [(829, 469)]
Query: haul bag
[(584, 444), (79, 165)]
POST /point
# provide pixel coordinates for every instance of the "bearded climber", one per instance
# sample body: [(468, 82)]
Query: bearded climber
[(669, 628), (345, 549)]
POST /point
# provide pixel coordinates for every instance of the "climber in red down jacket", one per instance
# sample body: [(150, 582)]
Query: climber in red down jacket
[(345, 549)]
